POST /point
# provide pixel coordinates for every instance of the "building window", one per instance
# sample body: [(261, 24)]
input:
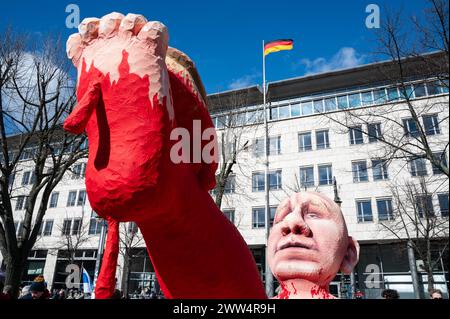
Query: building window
[(295, 110), (230, 184), (28, 178), (443, 204), (27, 153), (393, 94), (48, 227), (72, 198), (259, 147), (330, 104), (275, 145), (221, 121), (258, 182), (81, 198), (76, 228), (322, 139), (410, 128), (275, 180), (379, 169), (419, 90), (433, 88), (283, 112), (364, 210), (318, 106), (79, 171), (442, 158), (307, 108), (67, 225), (431, 124), (273, 113), (95, 224), (384, 207), (304, 142), (374, 132), (20, 202), (307, 176), (258, 217), (367, 98), (356, 135), (342, 102), (273, 210), (354, 100), (229, 213), (54, 200), (417, 166), (379, 96), (406, 92), (325, 175), (359, 169), (424, 206)]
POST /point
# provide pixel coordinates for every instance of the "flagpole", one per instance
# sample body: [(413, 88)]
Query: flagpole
[(268, 273)]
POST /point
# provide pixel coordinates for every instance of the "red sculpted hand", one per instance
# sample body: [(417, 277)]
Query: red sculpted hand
[(124, 105)]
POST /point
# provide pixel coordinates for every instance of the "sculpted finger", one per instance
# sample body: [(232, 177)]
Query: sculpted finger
[(109, 24)]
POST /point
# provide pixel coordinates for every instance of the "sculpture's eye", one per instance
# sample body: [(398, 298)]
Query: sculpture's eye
[(313, 215), (311, 212)]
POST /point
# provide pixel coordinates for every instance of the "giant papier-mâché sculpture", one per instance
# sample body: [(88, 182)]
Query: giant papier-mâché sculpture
[(132, 92)]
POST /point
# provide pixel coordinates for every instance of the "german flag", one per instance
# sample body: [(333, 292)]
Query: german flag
[(278, 45)]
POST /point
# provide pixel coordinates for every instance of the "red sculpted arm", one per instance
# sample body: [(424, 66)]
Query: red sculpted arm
[(106, 280)]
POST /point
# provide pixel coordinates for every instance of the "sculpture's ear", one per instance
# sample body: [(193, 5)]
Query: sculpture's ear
[(351, 256)]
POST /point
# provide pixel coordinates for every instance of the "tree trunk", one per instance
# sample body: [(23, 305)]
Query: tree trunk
[(219, 195), (429, 268), (14, 270), (126, 274), (413, 269)]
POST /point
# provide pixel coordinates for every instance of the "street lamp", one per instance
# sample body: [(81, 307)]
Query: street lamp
[(338, 201)]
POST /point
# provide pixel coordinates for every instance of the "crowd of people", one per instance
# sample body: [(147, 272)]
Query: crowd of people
[(146, 293), (38, 290)]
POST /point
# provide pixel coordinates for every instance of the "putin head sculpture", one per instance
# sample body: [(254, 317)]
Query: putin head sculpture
[(308, 245)]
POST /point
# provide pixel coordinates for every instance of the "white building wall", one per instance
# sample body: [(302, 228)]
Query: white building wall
[(340, 155)]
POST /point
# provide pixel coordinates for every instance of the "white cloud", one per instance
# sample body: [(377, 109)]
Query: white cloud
[(346, 57), (244, 81)]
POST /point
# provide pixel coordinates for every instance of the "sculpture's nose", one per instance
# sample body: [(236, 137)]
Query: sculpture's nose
[(295, 224)]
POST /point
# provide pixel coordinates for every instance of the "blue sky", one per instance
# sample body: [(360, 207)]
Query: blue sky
[(224, 38)]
